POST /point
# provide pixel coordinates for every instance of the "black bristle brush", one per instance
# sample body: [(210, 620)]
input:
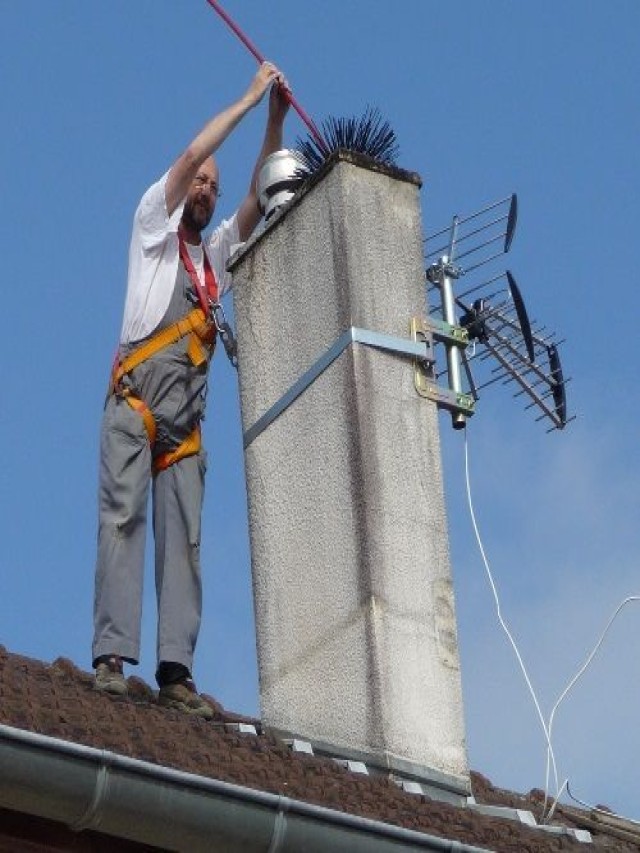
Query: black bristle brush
[(369, 135)]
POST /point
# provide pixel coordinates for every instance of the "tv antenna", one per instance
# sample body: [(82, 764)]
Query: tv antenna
[(486, 324)]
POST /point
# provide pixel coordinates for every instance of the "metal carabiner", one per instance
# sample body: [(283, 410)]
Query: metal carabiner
[(226, 332)]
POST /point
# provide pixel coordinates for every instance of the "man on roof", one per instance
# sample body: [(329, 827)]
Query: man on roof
[(150, 430)]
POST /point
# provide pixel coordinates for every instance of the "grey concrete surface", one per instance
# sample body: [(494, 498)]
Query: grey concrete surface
[(355, 614)]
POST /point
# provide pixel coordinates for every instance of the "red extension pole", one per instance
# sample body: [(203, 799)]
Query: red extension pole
[(260, 58)]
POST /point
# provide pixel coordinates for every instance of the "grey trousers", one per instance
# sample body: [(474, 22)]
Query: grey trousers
[(178, 492)]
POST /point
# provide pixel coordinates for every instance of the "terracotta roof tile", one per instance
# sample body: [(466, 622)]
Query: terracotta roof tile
[(58, 700)]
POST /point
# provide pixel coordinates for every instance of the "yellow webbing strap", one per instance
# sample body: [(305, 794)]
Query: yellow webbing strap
[(189, 447), (145, 413), (193, 322)]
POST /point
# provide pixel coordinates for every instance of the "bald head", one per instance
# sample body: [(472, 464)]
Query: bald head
[(202, 195)]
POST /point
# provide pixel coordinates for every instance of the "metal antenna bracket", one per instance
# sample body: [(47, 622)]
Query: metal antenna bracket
[(428, 331)]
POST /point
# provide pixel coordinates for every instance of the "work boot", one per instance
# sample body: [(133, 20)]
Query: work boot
[(183, 696), (109, 676)]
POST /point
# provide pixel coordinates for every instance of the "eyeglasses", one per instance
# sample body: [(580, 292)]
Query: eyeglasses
[(201, 182)]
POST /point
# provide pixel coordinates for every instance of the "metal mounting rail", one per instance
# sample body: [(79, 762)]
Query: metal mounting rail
[(353, 335)]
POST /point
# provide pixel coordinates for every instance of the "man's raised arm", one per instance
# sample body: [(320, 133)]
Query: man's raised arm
[(249, 213), (213, 135)]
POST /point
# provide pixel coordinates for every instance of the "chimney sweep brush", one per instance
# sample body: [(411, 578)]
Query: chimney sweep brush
[(368, 135)]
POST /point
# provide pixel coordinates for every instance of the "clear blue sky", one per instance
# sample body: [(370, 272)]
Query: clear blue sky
[(486, 98)]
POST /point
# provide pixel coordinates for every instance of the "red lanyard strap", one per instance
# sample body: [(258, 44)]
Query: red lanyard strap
[(208, 293)]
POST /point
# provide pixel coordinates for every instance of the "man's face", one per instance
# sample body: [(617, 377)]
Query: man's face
[(202, 196)]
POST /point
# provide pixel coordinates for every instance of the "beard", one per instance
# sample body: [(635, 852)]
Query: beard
[(196, 215)]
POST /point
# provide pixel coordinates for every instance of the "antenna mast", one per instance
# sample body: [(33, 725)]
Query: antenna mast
[(493, 327)]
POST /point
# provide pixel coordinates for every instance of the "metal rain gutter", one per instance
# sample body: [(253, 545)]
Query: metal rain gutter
[(88, 788)]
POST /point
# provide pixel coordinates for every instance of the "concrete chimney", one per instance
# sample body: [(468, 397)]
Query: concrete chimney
[(354, 605)]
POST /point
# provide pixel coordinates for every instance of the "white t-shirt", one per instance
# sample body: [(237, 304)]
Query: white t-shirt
[(154, 258)]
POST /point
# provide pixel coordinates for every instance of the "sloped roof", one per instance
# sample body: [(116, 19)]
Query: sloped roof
[(58, 700)]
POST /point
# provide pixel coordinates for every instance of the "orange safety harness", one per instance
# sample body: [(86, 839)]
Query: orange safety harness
[(202, 337)]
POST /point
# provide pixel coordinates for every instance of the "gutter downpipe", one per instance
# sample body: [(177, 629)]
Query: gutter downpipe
[(88, 788)]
